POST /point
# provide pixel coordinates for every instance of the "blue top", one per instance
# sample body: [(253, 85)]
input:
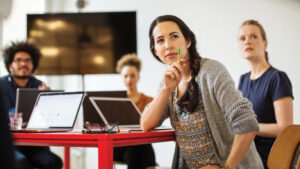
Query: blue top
[(9, 90), (262, 92)]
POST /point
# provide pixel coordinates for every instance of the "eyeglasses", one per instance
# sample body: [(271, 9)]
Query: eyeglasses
[(26, 61), (113, 129)]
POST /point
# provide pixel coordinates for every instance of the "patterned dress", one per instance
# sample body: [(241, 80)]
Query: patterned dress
[(193, 136)]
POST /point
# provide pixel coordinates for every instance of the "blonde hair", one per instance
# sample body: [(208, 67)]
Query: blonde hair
[(129, 60), (262, 31)]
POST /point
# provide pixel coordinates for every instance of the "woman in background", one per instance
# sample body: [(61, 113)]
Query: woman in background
[(142, 156), (268, 88)]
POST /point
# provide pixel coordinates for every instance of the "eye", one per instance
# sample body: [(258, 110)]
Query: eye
[(254, 37), (159, 41), (242, 38), (174, 36)]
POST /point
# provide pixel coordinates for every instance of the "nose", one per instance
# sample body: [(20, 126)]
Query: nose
[(168, 44), (247, 40)]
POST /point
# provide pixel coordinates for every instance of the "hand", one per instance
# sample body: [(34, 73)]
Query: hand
[(173, 75), (211, 167), (44, 87)]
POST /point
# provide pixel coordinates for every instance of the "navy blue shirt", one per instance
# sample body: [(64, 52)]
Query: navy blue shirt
[(9, 90), (262, 92)]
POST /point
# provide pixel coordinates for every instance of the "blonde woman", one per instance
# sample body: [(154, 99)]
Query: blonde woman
[(268, 88)]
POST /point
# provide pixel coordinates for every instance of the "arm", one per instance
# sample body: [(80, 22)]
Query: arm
[(240, 146), (152, 115), (237, 112), (283, 108)]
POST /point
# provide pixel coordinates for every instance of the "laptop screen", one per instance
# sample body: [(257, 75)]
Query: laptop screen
[(55, 110), (90, 114), (121, 110), (25, 101)]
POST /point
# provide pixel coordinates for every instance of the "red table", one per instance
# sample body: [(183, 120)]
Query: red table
[(104, 142)]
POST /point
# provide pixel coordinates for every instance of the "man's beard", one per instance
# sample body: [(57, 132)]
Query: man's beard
[(21, 77)]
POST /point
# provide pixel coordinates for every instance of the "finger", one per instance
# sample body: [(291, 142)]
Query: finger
[(177, 66), (170, 74), (176, 73)]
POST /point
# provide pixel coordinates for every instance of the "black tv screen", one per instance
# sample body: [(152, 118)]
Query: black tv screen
[(82, 43)]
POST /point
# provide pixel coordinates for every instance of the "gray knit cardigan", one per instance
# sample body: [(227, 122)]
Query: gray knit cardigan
[(228, 113)]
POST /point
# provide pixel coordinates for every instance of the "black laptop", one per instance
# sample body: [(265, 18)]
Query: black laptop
[(90, 114)]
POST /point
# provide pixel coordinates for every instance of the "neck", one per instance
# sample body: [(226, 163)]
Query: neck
[(258, 68), (186, 74), (132, 92), (22, 82)]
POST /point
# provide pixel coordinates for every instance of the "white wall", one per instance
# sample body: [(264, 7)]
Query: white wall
[(215, 23)]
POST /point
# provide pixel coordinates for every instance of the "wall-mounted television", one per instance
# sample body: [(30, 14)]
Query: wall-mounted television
[(82, 43)]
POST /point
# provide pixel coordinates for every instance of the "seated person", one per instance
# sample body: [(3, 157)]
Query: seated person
[(141, 156), (214, 125), (21, 60)]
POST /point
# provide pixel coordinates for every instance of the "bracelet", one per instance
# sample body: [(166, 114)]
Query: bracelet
[(226, 166)]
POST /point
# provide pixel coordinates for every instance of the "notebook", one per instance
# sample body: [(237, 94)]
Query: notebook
[(90, 114), (54, 112), (117, 110), (25, 100)]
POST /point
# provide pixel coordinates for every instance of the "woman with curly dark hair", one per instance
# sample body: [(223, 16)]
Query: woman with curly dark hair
[(140, 156), (214, 125)]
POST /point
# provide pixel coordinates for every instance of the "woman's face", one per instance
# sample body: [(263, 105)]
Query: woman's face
[(251, 43), (130, 76), (167, 39)]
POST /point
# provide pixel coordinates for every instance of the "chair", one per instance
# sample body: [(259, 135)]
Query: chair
[(285, 152)]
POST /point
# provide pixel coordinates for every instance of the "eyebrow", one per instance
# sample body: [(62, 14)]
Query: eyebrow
[(172, 33)]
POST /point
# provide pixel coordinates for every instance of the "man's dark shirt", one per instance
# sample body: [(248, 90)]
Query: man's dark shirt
[(9, 89)]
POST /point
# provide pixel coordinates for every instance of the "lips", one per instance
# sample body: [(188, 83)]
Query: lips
[(23, 69), (248, 49), (171, 55)]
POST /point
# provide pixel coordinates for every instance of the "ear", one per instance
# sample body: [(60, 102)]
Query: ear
[(266, 44), (10, 68), (188, 44)]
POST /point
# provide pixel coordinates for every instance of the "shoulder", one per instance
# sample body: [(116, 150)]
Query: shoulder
[(35, 82), (276, 74), (244, 77), (4, 80), (210, 64), (212, 69), (146, 98)]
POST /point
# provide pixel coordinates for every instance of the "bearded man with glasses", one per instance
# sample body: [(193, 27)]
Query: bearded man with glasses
[(21, 60)]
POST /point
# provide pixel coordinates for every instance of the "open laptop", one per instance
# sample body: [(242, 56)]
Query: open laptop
[(117, 110), (54, 112), (90, 114), (25, 100)]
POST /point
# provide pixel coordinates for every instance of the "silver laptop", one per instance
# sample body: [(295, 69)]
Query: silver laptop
[(117, 110), (25, 101), (54, 112)]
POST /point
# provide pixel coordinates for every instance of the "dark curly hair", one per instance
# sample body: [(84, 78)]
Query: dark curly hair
[(190, 100), (30, 48)]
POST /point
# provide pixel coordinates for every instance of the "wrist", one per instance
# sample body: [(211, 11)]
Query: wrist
[(226, 166), (166, 90)]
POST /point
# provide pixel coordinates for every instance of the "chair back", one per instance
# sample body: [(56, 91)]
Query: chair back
[(286, 149)]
